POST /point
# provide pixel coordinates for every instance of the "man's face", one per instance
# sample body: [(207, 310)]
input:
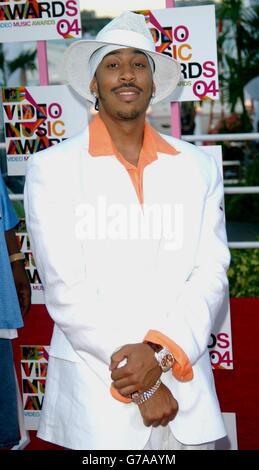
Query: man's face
[(123, 83)]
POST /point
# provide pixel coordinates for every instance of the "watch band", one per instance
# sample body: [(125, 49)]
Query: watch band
[(141, 397)]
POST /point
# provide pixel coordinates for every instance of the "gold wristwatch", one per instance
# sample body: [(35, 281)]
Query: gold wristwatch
[(163, 356)]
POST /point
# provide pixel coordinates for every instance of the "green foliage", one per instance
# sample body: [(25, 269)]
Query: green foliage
[(245, 207), (242, 208), (238, 47), (2, 67), (25, 61), (19, 210), (243, 273)]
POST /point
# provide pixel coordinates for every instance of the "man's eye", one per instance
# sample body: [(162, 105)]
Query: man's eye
[(112, 66), (139, 65)]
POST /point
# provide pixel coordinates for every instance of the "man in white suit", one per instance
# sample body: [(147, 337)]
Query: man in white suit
[(127, 230)]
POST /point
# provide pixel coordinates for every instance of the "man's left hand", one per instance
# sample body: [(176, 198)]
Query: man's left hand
[(141, 371)]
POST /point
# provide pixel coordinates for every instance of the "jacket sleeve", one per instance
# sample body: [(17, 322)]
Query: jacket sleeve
[(59, 256), (190, 321)]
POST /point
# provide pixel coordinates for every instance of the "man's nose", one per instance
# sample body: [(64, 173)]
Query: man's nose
[(127, 73)]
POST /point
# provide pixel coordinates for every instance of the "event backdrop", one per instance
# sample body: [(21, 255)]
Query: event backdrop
[(189, 36), (33, 20), (220, 346), (38, 117)]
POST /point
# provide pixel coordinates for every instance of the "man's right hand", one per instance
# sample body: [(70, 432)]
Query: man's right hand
[(159, 409)]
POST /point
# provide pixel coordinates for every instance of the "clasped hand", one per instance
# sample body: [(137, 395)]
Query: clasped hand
[(141, 371), (139, 374)]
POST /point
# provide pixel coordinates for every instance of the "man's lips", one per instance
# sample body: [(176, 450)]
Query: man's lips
[(127, 93), (127, 87)]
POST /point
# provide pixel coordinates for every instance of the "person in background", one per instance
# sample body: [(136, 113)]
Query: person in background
[(15, 299), (129, 239)]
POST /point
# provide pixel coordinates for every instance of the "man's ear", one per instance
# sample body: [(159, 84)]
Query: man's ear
[(93, 86), (154, 89)]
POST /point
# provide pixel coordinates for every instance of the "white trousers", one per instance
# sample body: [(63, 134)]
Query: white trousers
[(161, 438)]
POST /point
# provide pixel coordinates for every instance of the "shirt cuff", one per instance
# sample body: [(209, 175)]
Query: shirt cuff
[(182, 368), (115, 394)]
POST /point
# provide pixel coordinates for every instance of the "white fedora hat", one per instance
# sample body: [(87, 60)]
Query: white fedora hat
[(127, 30)]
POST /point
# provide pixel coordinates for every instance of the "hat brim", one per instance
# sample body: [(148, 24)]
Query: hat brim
[(166, 75)]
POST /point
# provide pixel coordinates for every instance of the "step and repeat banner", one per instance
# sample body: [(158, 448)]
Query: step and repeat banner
[(38, 117), (33, 20), (34, 365), (220, 346), (189, 36)]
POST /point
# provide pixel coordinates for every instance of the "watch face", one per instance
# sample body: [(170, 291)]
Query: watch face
[(167, 362), (165, 359)]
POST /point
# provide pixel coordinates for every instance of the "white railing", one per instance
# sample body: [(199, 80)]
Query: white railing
[(231, 163), (241, 190), (221, 137), (16, 197), (241, 245), (231, 190)]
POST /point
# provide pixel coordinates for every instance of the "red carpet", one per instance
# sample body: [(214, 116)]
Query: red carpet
[(238, 390)]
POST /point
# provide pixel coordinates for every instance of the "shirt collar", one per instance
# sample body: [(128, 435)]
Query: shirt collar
[(100, 143)]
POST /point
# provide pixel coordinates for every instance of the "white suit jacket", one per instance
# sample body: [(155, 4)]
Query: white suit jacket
[(105, 288)]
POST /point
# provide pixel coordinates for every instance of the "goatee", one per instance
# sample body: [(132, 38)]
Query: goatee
[(128, 116)]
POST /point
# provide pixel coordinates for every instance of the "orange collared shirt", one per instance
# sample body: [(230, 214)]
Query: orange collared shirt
[(100, 144)]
